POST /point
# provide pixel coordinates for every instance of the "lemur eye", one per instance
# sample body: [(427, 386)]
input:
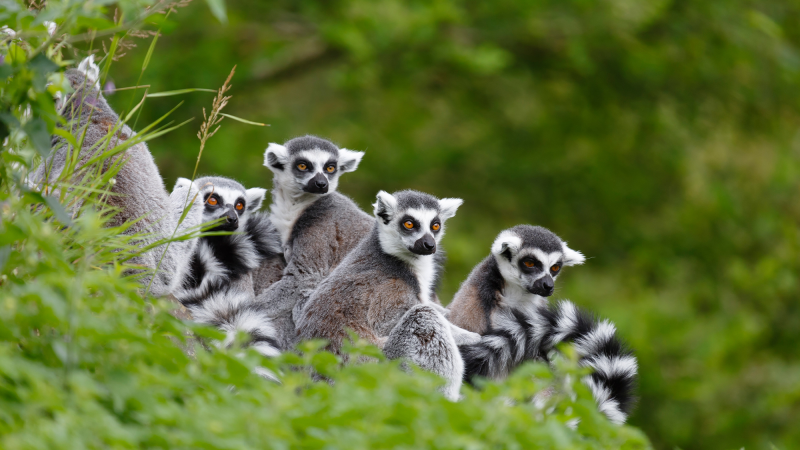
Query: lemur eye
[(212, 201), (239, 206), (330, 168), (302, 166), (408, 224), (529, 264), (555, 268), (436, 226)]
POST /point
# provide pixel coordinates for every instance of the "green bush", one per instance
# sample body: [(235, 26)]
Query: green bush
[(87, 362), (658, 137)]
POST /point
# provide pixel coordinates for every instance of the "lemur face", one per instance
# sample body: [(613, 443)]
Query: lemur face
[(532, 258), (310, 165), (228, 201), (412, 223)]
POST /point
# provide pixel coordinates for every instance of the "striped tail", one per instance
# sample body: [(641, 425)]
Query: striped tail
[(512, 341), (235, 312), (518, 337)]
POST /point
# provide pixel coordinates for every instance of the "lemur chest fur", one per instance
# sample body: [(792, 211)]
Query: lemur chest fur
[(516, 297), (424, 271), (286, 209)]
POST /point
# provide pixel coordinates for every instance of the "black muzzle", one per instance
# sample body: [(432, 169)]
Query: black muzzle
[(317, 185), (543, 286), (230, 222), (425, 245)]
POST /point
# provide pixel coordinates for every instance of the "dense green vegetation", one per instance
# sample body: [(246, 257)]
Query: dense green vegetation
[(660, 138)]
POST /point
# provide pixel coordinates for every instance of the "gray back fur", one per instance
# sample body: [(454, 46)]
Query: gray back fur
[(318, 227), (322, 236), (380, 296), (139, 187)]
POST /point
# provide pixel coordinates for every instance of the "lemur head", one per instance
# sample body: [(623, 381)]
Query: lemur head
[(226, 198), (410, 223), (532, 257), (309, 164)]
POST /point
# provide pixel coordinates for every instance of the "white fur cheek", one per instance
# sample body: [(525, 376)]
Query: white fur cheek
[(391, 241), (333, 184), (508, 271), (440, 234)]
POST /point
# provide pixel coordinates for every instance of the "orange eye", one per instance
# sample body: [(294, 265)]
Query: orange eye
[(330, 169), (555, 268), (239, 206), (529, 264), (302, 166), (408, 224), (436, 226), (212, 201)]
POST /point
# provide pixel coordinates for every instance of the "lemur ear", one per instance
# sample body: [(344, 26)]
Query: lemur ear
[(572, 257), (276, 157), (385, 206), (506, 245), (182, 183), (349, 160), (90, 70), (448, 207), (254, 198)]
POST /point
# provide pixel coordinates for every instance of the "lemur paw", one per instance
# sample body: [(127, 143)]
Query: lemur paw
[(464, 337)]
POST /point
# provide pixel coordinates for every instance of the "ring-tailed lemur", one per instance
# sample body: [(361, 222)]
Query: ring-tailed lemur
[(318, 226), (381, 290), (218, 287), (503, 300), (137, 192)]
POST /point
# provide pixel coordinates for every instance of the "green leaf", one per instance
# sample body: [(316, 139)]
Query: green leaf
[(15, 54), (7, 121), (67, 136), (109, 58), (179, 92), (243, 120), (36, 129), (149, 52), (58, 209), (42, 67), (218, 9), (6, 71), (5, 252)]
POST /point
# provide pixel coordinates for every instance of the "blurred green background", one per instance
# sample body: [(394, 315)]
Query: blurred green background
[(660, 138)]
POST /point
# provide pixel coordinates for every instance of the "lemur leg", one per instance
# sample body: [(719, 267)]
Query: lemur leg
[(172, 260), (423, 336), (281, 299)]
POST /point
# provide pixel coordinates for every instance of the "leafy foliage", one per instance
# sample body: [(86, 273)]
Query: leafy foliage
[(658, 137), (87, 362)]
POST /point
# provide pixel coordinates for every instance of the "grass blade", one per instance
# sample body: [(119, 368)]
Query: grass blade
[(150, 52), (243, 120), (178, 92)]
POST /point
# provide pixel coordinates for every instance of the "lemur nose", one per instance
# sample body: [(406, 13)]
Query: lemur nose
[(321, 183), (428, 245), (548, 283), (231, 216)]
